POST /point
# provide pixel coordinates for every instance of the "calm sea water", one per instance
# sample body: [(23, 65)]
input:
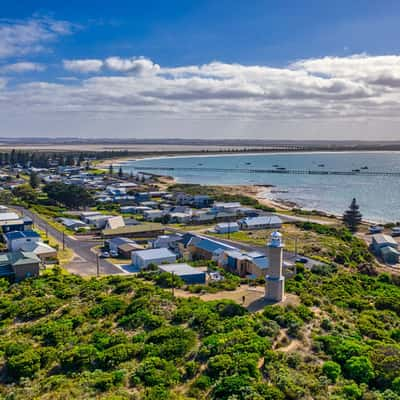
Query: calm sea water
[(379, 197)]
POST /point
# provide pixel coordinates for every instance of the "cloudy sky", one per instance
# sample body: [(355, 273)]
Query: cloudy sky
[(202, 69)]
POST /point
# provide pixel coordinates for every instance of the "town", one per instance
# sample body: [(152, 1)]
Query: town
[(95, 221)]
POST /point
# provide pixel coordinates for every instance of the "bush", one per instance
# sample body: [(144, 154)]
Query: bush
[(332, 370), (360, 369), (23, 365)]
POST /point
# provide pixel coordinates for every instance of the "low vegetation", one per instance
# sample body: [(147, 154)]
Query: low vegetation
[(121, 337)]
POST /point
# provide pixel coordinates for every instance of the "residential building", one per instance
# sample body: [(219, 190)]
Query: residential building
[(115, 222), (19, 265), (226, 227), (142, 259), (147, 230), (15, 240), (263, 222)]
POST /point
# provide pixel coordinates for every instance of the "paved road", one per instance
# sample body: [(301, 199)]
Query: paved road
[(85, 261)]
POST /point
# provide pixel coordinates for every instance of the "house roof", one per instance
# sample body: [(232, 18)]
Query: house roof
[(180, 269), (8, 216), (130, 246), (17, 258), (115, 222), (382, 239), (21, 234), (152, 254), (267, 220), (142, 228), (210, 245)]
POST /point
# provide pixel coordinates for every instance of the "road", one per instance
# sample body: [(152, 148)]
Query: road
[(85, 260)]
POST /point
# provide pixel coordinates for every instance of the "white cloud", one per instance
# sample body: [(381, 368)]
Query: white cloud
[(140, 66), (19, 37), (85, 66), (330, 90), (21, 67)]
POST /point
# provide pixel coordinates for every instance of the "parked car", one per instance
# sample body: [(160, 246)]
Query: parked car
[(376, 229), (396, 231), (302, 260), (105, 254), (114, 253)]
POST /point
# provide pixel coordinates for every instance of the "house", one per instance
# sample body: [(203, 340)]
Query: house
[(264, 222), (386, 247), (165, 241), (142, 196), (115, 222), (203, 217), (180, 217), (98, 221), (379, 241), (253, 264), (19, 265), (201, 201), (226, 227), (201, 247), (20, 224), (29, 241), (187, 273), (152, 215), (142, 259), (230, 208), (123, 246), (73, 224), (17, 239), (84, 215), (147, 230), (390, 255)]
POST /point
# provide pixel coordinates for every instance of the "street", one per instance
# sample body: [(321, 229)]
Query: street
[(85, 260)]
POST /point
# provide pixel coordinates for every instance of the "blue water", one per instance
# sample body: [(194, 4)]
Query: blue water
[(378, 196)]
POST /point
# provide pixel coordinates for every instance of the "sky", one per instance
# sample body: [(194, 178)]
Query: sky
[(284, 69)]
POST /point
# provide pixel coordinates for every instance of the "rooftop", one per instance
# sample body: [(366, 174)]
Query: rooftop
[(180, 269), (151, 254)]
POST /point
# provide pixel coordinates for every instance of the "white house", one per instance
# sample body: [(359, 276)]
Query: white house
[(16, 239), (265, 222), (231, 208), (142, 259), (98, 221), (152, 215), (226, 227)]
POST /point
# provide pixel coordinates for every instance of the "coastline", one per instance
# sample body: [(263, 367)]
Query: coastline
[(261, 193)]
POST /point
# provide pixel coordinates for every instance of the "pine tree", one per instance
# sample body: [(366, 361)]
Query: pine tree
[(352, 217), (120, 173), (111, 169), (34, 180)]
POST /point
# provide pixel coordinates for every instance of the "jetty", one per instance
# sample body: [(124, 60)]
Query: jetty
[(274, 171)]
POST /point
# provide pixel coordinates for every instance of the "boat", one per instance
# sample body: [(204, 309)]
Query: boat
[(321, 165), (365, 167), (200, 164), (276, 166), (281, 168), (355, 170), (376, 229), (248, 163)]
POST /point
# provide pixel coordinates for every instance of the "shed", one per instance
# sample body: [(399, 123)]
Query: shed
[(187, 273), (390, 255), (226, 227)]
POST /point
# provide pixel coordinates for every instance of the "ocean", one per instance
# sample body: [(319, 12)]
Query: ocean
[(378, 196)]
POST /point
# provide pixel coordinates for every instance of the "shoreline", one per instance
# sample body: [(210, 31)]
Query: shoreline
[(261, 193)]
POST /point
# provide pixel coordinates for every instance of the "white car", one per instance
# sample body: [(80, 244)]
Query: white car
[(114, 253)]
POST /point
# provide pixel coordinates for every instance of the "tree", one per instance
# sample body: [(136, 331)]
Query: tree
[(34, 180), (72, 196), (352, 217), (120, 173), (111, 169), (25, 193)]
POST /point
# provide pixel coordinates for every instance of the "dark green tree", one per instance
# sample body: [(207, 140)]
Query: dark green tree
[(111, 169), (352, 217), (120, 173), (34, 180)]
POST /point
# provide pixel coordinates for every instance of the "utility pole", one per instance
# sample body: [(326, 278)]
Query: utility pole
[(63, 240), (173, 284), (97, 265)]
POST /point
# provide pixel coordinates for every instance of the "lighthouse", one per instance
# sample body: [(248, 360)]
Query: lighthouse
[(275, 281)]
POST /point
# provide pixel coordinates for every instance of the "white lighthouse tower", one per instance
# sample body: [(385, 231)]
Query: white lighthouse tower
[(275, 281)]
